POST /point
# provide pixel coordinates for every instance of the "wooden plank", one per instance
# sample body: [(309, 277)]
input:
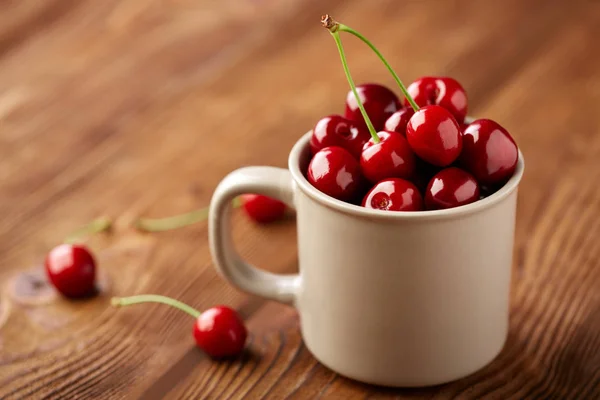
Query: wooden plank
[(141, 107)]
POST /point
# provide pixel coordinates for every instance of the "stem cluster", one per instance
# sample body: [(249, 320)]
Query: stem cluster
[(335, 28)]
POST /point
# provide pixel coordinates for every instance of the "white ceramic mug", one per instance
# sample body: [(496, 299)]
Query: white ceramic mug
[(388, 298)]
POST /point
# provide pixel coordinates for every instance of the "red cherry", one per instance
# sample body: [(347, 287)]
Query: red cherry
[(394, 194), (263, 209), (390, 158), (489, 152), (72, 270), (397, 121), (336, 173), (434, 135), (220, 332), (451, 187), (443, 91), (336, 130), (379, 103)]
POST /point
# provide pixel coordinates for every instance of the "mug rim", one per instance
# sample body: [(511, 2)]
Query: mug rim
[(359, 211)]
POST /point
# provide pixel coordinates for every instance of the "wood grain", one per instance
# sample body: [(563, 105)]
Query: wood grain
[(127, 108)]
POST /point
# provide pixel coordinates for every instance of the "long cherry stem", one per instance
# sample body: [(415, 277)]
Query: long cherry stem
[(154, 298), (333, 25), (338, 42), (96, 226), (176, 221)]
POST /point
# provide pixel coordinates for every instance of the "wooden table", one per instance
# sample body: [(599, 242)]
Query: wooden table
[(140, 107)]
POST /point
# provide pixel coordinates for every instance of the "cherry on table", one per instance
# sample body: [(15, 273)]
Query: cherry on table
[(335, 130), (335, 172), (434, 135), (379, 103), (71, 269), (451, 187), (489, 152), (397, 121), (390, 158), (394, 194), (442, 91), (259, 208), (219, 331), (263, 209)]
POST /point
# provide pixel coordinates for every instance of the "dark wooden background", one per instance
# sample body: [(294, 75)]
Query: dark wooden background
[(140, 107)]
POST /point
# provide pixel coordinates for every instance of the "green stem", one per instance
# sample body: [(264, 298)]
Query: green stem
[(335, 26), (345, 28), (174, 222), (154, 298), (98, 225), (338, 42), (177, 221)]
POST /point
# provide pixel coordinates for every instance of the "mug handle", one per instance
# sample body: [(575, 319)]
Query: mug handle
[(268, 181)]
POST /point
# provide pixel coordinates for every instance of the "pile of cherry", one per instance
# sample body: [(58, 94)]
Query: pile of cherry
[(430, 154), (420, 155)]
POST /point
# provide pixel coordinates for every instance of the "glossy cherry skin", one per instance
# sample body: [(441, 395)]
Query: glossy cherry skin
[(397, 121), (335, 172), (71, 268), (263, 209), (335, 130), (394, 194), (379, 103), (442, 91), (390, 158), (489, 152), (220, 332), (451, 187), (434, 135)]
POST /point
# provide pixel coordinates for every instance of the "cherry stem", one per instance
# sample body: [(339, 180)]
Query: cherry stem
[(176, 221), (333, 25), (96, 226), (154, 298), (338, 42)]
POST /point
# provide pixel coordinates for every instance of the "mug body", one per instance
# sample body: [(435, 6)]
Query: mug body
[(388, 298), (403, 299)]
